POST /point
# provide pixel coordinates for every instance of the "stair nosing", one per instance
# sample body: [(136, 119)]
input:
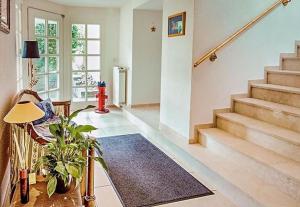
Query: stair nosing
[(243, 100), (273, 87), (284, 72), (256, 129)]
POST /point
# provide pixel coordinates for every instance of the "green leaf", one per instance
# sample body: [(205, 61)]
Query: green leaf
[(85, 128), (51, 186), (55, 130), (61, 168), (75, 113), (74, 171), (101, 161)]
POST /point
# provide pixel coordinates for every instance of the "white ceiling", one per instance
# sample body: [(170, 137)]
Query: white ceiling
[(91, 3)]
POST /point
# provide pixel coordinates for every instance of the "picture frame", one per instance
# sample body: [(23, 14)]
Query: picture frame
[(176, 24), (5, 16)]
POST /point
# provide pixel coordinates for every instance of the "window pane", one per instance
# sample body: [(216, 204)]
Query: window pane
[(41, 43), (93, 62), (53, 81), (53, 64), (52, 28), (40, 27), (91, 94), (78, 63), (41, 84), (78, 79), (78, 46), (93, 47), (93, 78), (78, 94), (78, 31), (40, 65), (54, 95), (93, 31), (52, 46)]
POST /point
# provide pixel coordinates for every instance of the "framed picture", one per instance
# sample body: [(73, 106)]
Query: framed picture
[(176, 24), (5, 16)]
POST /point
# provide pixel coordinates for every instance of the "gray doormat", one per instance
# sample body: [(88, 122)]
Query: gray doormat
[(145, 176)]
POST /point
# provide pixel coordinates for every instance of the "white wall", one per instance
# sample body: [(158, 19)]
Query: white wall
[(177, 55), (8, 85), (125, 47), (126, 41), (108, 18), (242, 60), (146, 65)]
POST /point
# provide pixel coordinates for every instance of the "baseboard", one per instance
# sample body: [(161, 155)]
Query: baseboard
[(216, 111), (197, 136), (144, 105)]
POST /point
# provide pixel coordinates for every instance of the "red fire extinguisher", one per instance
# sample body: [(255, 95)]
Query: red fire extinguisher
[(101, 96)]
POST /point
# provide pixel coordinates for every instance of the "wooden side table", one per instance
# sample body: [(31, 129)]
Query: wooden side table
[(38, 197)]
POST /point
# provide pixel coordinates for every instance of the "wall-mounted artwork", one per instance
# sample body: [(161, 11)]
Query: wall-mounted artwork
[(176, 24), (5, 16)]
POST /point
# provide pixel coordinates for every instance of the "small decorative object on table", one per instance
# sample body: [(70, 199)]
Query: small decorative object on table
[(176, 25), (64, 160), (30, 51), (23, 113)]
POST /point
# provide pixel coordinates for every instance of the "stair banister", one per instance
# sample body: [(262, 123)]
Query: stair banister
[(211, 55)]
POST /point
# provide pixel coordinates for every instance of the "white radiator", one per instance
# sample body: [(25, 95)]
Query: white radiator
[(119, 87)]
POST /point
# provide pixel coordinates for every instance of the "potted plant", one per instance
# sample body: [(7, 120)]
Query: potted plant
[(64, 160)]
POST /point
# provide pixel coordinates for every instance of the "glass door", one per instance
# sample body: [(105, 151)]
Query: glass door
[(46, 28), (86, 61)]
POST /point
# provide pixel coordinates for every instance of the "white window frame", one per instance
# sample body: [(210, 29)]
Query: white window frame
[(85, 56), (19, 43), (33, 14)]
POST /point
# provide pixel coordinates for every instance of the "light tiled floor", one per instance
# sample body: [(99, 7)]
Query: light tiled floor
[(115, 123), (149, 114)]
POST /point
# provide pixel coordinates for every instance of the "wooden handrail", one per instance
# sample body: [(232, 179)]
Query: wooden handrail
[(212, 53)]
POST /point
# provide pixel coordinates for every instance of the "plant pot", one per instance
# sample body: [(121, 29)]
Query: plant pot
[(61, 187)]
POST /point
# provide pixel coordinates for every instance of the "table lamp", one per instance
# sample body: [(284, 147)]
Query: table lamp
[(30, 51), (23, 113)]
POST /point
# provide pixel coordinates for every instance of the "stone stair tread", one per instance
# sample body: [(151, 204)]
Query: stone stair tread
[(265, 194), (267, 157), (277, 87), (276, 107), (284, 72), (276, 131)]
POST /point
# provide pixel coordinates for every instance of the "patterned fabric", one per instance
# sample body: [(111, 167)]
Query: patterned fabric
[(43, 129), (48, 108)]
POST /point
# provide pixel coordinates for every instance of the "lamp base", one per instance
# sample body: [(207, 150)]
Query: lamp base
[(24, 186)]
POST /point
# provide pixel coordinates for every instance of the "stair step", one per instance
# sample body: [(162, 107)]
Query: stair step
[(274, 113), (280, 140), (291, 63), (273, 168), (283, 77), (276, 93), (260, 193)]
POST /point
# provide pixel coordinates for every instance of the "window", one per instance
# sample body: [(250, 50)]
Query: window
[(19, 64), (86, 61), (47, 34)]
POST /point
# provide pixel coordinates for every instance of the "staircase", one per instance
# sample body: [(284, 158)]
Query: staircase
[(256, 144)]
